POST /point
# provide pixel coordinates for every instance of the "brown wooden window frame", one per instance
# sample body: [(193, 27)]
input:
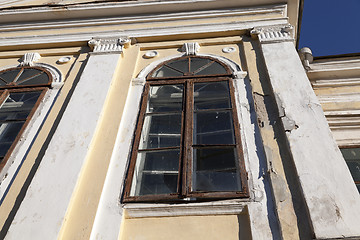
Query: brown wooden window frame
[(184, 184), (6, 90)]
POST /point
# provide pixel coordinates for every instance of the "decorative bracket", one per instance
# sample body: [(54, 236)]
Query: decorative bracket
[(190, 48), (239, 74), (306, 57), (29, 58), (272, 34), (108, 45)]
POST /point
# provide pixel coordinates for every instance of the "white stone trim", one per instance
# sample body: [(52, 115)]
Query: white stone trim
[(271, 34), (340, 98), (319, 83), (336, 64), (140, 81), (190, 48), (100, 10), (146, 32), (29, 58), (108, 45), (239, 74), (109, 213), (184, 209), (14, 163), (326, 183)]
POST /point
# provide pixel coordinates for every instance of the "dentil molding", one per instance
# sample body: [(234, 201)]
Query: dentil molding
[(270, 34), (108, 45)]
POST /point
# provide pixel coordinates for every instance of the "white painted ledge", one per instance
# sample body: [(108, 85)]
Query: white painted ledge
[(185, 209)]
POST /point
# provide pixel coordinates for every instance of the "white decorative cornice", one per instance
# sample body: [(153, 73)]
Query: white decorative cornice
[(190, 48), (29, 58), (108, 45), (269, 34), (74, 38)]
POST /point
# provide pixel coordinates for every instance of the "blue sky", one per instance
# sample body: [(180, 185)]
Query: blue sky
[(331, 27)]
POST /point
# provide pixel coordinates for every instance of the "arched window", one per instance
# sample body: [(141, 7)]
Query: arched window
[(21, 90), (187, 143)]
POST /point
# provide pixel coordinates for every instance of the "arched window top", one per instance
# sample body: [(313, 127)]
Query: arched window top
[(188, 67), (24, 77)]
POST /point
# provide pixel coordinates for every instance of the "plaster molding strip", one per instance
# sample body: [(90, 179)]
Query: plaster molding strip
[(46, 13), (189, 209), (23, 41), (195, 15)]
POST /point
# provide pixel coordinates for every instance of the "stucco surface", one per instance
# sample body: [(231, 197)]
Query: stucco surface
[(229, 227), (332, 199)]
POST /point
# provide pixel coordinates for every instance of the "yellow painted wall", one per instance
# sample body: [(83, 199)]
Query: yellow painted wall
[(221, 227), (82, 208)]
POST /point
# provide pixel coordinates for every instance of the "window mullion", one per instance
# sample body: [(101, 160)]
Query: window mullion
[(187, 160), (3, 96)]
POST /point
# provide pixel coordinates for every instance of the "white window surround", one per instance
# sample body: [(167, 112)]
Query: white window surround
[(19, 154), (109, 213)]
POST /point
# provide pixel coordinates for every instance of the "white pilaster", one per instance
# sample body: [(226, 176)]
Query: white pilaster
[(331, 196), (43, 209), (109, 214)]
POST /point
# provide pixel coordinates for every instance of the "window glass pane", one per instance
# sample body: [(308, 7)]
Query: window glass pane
[(215, 169), (161, 130), (214, 68), (166, 98), (213, 128), (160, 160), (180, 65), (212, 95), (354, 167), (9, 76), (18, 105), (36, 79), (165, 71), (156, 172), (197, 63), (153, 184), (352, 158), (27, 73), (4, 147), (9, 131)]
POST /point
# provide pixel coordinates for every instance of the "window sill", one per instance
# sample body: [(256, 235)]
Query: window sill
[(137, 210)]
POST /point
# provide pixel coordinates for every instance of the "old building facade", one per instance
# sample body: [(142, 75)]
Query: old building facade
[(190, 119)]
